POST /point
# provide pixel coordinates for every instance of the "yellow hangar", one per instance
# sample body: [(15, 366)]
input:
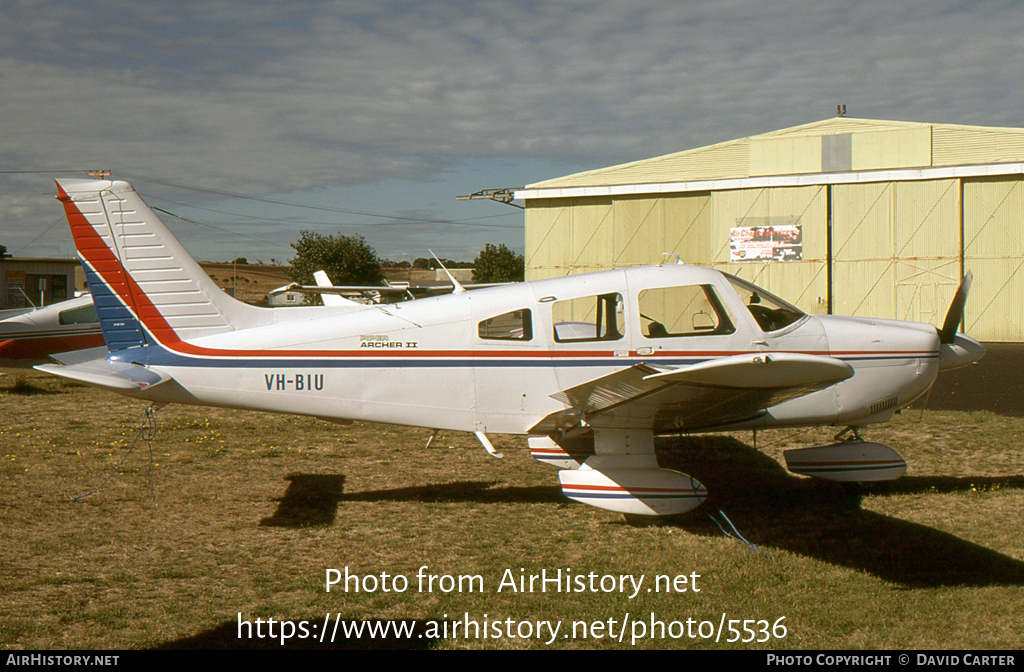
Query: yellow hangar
[(844, 216)]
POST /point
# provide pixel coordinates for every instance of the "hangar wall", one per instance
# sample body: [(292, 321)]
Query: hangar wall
[(582, 235), (882, 244), (994, 247)]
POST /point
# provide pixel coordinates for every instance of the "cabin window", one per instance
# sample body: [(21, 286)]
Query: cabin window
[(514, 326), (683, 311), (590, 318), (82, 315), (769, 311)]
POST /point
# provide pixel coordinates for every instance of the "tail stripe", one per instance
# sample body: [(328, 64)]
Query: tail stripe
[(145, 267), (115, 290), (120, 328)]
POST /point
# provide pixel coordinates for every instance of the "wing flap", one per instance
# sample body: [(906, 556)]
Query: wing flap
[(117, 376), (607, 391)]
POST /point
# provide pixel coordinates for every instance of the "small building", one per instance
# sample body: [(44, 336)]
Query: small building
[(843, 216), (38, 282)]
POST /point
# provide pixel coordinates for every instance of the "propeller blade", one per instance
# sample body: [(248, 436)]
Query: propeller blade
[(947, 333)]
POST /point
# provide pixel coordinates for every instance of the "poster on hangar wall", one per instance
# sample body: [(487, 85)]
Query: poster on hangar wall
[(766, 243)]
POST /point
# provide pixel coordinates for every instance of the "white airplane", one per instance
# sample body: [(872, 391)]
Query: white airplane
[(589, 367), (59, 327)]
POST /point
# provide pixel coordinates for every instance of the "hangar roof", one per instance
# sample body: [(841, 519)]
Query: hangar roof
[(837, 145)]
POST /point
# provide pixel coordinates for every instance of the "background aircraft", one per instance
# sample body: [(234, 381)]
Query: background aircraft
[(390, 292), (64, 326), (590, 367)]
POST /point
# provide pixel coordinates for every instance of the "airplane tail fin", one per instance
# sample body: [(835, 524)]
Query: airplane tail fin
[(143, 282)]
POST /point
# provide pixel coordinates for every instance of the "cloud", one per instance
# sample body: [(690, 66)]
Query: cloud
[(265, 97)]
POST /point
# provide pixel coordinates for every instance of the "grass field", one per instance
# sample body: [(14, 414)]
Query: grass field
[(248, 512)]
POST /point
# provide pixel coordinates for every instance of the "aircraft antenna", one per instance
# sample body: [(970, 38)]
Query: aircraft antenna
[(459, 289)]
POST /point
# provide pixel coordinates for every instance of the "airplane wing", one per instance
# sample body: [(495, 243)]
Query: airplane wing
[(703, 396), (118, 376), (345, 289)]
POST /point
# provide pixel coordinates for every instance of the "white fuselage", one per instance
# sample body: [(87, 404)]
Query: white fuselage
[(425, 362)]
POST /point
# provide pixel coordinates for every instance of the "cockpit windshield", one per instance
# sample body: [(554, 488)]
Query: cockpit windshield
[(770, 312)]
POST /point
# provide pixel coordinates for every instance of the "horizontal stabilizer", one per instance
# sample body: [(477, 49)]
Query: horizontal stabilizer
[(645, 491), (847, 462), (79, 356), (761, 371), (118, 376)]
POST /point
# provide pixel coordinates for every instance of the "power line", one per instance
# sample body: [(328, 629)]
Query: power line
[(277, 220), (44, 172), (217, 228), (322, 208), (59, 221)]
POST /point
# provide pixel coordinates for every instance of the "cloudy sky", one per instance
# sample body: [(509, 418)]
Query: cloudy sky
[(252, 120)]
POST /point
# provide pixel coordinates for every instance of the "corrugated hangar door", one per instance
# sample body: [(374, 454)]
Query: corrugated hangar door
[(895, 249), (568, 235), (639, 231), (645, 229), (688, 230), (547, 238), (994, 250), (802, 282), (591, 238)]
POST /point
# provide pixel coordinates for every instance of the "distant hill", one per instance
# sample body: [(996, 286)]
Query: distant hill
[(250, 281)]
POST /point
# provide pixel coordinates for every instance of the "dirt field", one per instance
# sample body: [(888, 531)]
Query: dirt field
[(251, 282)]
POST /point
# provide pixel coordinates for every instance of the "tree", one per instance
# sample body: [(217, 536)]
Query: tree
[(348, 260), (497, 263), (3, 251)]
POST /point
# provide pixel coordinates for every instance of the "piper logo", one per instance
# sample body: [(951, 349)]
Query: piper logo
[(383, 341)]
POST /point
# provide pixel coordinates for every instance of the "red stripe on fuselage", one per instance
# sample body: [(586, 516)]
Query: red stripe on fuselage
[(40, 346)]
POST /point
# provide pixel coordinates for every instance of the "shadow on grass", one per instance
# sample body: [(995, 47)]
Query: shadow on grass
[(825, 520), (771, 508), (374, 635), (480, 492), (310, 500), (24, 387), (313, 499), (914, 485)]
